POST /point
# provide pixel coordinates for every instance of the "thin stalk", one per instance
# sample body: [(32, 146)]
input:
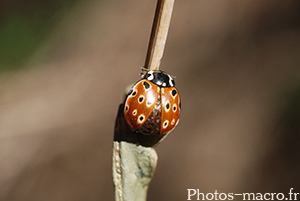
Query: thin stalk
[(159, 33)]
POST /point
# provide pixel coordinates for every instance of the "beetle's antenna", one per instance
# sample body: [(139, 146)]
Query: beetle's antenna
[(144, 70)]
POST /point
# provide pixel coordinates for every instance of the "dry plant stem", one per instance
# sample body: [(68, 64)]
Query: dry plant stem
[(159, 34)]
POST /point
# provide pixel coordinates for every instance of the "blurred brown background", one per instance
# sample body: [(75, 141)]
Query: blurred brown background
[(64, 66)]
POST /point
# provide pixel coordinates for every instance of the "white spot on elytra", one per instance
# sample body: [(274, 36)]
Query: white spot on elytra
[(141, 99), (167, 107), (134, 92), (141, 119), (171, 92), (165, 124), (126, 107), (174, 107), (173, 122), (134, 112)]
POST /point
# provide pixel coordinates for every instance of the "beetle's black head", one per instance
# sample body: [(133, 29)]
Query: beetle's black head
[(159, 78)]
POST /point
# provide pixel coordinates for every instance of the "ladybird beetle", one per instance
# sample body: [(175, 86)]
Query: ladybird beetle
[(152, 106)]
